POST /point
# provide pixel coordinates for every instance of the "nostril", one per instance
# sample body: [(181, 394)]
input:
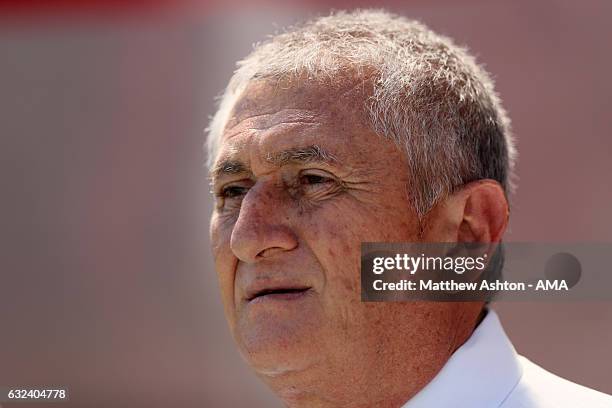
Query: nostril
[(268, 252)]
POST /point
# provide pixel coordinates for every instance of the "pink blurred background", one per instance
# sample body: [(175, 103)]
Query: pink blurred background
[(107, 284)]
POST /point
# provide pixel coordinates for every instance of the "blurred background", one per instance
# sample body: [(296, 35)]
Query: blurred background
[(107, 283)]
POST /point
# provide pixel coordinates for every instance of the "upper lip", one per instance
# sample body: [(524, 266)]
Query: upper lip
[(261, 289)]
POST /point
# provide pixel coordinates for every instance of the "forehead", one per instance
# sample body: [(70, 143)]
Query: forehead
[(283, 114), (267, 96)]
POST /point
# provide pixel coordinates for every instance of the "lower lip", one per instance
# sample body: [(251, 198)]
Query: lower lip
[(275, 297)]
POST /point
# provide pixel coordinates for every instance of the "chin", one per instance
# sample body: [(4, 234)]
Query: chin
[(274, 347)]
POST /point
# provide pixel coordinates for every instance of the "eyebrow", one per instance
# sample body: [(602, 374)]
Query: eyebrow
[(308, 154), (296, 155)]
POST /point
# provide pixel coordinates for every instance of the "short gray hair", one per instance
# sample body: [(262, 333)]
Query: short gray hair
[(429, 95)]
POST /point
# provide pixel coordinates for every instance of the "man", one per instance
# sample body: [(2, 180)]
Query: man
[(364, 127)]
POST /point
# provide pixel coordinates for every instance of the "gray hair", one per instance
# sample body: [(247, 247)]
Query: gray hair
[(429, 95)]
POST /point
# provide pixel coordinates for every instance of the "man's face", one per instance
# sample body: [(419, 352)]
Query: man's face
[(301, 181)]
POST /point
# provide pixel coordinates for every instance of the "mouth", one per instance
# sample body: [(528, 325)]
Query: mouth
[(279, 294)]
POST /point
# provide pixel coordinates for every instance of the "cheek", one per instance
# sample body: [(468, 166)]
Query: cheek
[(225, 262), (335, 234), (335, 239)]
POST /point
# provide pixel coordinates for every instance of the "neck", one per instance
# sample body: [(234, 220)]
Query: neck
[(316, 394)]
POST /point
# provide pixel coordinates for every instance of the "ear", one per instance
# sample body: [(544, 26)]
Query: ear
[(478, 212)]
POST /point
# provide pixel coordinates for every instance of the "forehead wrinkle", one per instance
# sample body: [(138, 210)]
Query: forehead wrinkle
[(256, 128), (266, 121), (231, 160)]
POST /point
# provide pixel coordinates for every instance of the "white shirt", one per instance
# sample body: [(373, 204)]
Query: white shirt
[(487, 372)]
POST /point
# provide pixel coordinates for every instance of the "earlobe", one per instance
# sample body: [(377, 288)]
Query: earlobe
[(485, 212)]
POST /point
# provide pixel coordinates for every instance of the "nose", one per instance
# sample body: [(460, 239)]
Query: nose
[(262, 229)]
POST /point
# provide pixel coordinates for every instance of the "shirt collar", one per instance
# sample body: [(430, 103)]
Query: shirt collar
[(480, 373)]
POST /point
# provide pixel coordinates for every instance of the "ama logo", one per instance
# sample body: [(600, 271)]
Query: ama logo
[(551, 285)]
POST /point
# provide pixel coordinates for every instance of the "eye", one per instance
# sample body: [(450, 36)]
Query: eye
[(315, 178), (233, 191), (230, 195)]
